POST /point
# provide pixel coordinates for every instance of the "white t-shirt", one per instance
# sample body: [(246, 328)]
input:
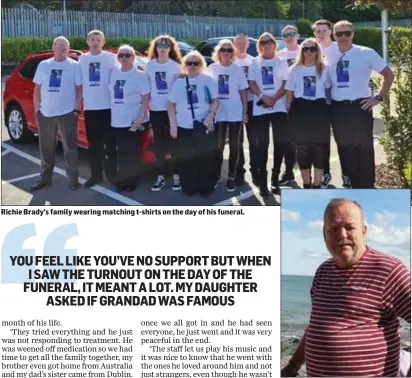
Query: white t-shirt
[(58, 81), (329, 53), (350, 73), (203, 86), (161, 77), (245, 63), (95, 71), (126, 91), (268, 74), (305, 83), (230, 80), (289, 55)]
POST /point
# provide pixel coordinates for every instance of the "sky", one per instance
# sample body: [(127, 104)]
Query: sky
[(388, 218)]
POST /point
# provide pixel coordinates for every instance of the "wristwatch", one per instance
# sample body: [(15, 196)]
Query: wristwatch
[(245, 112), (379, 98)]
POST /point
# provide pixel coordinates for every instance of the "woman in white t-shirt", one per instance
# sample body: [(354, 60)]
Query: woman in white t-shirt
[(308, 111), (129, 97), (267, 79), (232, 113), (163, 68), (195, 92)]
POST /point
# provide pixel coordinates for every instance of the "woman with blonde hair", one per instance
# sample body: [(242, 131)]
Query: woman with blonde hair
[(308, 111), (267, 78), (232, 113), (193, 103), (163, 68)]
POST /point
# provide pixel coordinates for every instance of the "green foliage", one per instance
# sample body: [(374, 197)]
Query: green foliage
[(397, 138), (305, 27), (371, 37), (394, 5)]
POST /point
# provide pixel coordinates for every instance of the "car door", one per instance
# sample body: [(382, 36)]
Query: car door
[(207, 51)]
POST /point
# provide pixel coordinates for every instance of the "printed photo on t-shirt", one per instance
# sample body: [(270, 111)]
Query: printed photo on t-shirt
[(223, 86), (246, 70), (342, 73), (193, 94), (267, 76), (161, 83), (291, 61), (118, 89), (309, 86), (55, 80), (94, 74)]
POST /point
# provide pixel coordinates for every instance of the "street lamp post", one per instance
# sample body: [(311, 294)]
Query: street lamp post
[(64, 18), (385, 32)]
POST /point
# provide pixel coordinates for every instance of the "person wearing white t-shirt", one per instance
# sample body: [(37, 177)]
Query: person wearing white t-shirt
[(163, 68), (57, 105), (308, 111), (232, 113), (267, 79), (95, 67), (290, 36), (193, 104), (129, 96), (322, 30), (244, 60), (352, 103)]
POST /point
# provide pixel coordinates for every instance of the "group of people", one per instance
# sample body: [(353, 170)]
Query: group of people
[(301, 92)]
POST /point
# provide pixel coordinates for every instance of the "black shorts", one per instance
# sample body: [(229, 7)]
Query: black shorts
[(311, 154)]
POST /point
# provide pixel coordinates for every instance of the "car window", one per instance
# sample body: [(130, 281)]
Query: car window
[(251, 50), (207, 50), (29, 69)]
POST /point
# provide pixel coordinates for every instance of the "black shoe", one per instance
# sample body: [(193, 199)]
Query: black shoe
[(40, 185), (74, 183), (316, 187), (263, 191), (276, 189), (346, 182), (286, 178), (326, 179), (240, 180), (307, 186), (93, 181), (230, 185)]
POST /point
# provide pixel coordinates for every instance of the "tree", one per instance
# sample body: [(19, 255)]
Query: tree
[(391, 5)]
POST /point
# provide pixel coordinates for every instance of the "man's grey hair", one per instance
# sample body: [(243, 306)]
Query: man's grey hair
[(61, 38), (336, 202)]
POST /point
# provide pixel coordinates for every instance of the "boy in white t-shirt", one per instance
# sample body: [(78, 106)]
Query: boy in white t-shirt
[(57, 104), (95, 67)]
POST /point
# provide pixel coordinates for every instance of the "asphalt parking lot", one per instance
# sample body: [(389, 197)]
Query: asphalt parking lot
[(20, 170)]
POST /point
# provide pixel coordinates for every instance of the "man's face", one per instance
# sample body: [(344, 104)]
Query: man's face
[(344, 232), (322, 33), (241, 44), (343, 35), (290, 36), (61, 48), (95, 42)]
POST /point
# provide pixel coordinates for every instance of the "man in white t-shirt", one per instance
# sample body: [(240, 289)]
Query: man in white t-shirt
[(243, 59), (57, 104), (352, 103), (95, 67), (322, 30)]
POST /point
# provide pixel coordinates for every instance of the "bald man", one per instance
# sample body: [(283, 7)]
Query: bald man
[(57, 104), (358, 297)]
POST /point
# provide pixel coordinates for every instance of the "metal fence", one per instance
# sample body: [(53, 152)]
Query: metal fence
[(377, 24), (47, 23)]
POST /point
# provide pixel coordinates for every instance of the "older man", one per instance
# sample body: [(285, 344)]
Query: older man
[(57, 103), (352, 103), (358, 297)]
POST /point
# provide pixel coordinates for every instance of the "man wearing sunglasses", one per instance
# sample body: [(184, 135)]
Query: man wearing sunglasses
[(352, 104)]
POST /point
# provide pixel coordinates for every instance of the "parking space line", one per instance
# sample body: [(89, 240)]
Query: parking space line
[(97, 188), (4, 153), (20, 178)]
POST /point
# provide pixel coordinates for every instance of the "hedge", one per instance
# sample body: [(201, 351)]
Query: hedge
[(16, 49)]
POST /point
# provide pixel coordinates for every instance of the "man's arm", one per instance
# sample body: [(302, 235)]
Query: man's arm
[(297, 360), (387, 81), (36, 98), (269, 101)]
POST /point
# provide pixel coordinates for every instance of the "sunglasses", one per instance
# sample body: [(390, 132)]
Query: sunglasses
[(290, 34), (310, 49), (343, 33), (192, 64), (266, 42), (124, 55), (223, 50), (163, 45)]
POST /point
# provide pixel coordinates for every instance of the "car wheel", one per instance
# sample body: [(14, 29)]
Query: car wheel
[(17, 126)]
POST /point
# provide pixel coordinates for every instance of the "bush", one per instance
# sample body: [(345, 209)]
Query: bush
[(305, 27), (370, 37), (16, 49), (397, 137)]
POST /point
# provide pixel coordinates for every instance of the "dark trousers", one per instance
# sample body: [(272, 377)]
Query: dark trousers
[(353, 131), (235, 129), (261, 125), (163, 142), (252, 148), (48, 127), (102, 143), (129, 155), (289, 153), (196, 162), (326, 162)]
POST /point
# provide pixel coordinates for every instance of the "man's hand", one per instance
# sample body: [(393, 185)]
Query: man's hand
[(369, 103), (137, 125), (173, 131), (289, 371), (269, 102), (209, 121)]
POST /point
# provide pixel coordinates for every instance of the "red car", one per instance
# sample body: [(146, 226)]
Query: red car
[(18, 106)]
